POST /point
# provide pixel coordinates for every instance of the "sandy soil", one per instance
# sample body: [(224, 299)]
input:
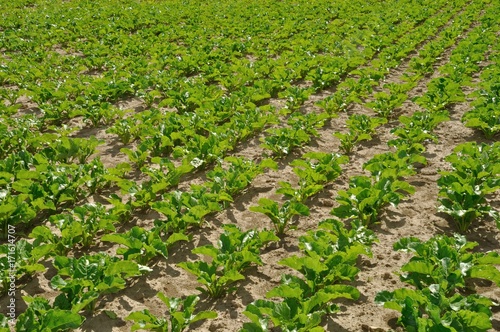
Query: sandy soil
[(415, 216)]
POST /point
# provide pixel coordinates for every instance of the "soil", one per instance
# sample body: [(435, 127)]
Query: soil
[(415, 216)]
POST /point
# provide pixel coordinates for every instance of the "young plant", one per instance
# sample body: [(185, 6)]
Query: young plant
[(186, 209), (309, 122), (463, 200), (83, 280), (281, 141), (350, 139), (361, 127), (330, 259), (476, 173), (335, 103), (441, 93), (280, 215), (384, 103), (101, 114), (181, 315), (237, 250), (41, 316), (431, 309), (142, 245), (294, 313), (365, 197), (485, 119), (139, 156), (485, 115), (127, 130), (400, 162), (78, 227), (331, 254), (313, 171), (165, 174), (418, 128), (237, 176), (447, 261), (20, 259), (67, 150), (440, 268), (481, 161), (364, 124), (295, 97)]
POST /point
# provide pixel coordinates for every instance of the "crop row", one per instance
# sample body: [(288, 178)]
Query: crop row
[(432, 271), (195, 149), (301, 311), (44, 181)]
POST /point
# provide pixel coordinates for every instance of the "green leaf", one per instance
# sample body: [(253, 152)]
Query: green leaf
[(204, 315), (418, 267), (125, 268), (488, 272), (475, 321), (56, 319)]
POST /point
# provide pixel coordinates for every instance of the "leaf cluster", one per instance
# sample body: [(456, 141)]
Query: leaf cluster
[(236, 251), (439, 270), (360, 128), (83, 280), (329, 261), (181, 315), (475, 173), (366, 197)]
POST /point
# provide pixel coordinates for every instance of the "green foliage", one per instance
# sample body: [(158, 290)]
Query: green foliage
[(236, 251), (485, 119), (237, 176), (186, 209), (181, 315), (40, 316), (447, 261), (475, 173), (4, 324), (295, 97), (485, 115), (281, 141), (364, 124), (82, 280), (79, 227), (101, 114), (314, 171), (21, 259), (127, 130), (142, 245), (431, 310), (440, 269), (211, 71), (330, 256), (280, 215), (384, 103), (418, 128), (295, 313), (67, 150), (366, 197), (138, 156), (360, 127), (441, 92), (400, 163), (335, 103), (165, 174), (349, 140)]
